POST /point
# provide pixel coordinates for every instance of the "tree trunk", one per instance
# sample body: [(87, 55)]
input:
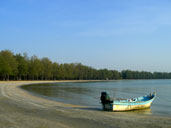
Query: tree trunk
[(4, 78), (7, 77)]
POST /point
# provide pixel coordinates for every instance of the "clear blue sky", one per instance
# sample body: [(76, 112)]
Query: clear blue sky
[(113, 34)]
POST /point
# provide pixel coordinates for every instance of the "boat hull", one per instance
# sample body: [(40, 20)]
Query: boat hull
[(130, 104), (129, 107), (112, 107)]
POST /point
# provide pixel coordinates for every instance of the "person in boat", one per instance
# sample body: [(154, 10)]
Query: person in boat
[(105, 98)]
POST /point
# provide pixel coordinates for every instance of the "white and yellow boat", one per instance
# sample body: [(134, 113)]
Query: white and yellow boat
[(126, 104)]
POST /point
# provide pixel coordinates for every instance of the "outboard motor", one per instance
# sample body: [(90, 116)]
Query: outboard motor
[(105, 98)]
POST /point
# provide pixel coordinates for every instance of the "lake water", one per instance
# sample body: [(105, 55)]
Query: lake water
[(89, 93)]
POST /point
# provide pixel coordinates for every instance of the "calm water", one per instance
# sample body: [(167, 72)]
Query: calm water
[(89, 93)]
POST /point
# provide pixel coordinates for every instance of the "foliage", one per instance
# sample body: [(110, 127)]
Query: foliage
[(21, 67), (8, 65)]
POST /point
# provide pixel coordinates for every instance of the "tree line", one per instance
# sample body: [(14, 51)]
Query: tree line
[(21, 67)]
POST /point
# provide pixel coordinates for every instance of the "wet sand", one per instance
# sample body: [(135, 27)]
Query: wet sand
[(20, 109)]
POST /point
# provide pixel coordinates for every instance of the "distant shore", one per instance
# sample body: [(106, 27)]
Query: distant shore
[(20, 109)]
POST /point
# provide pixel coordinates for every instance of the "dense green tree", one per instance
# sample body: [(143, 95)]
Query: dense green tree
[(62, 72), (55, 71), (35, 68), (46, 68), (116, 75), (4, 69), (8, 65), (22, 66)]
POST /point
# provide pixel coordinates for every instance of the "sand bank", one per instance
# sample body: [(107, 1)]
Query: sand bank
[(20, 109)]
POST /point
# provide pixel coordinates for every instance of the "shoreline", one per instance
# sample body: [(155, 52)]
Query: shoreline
[(21, 109)]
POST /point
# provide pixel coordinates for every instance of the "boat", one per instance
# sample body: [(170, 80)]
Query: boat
[(126, 104)]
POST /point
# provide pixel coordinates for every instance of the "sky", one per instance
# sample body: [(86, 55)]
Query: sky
[(112, 34)]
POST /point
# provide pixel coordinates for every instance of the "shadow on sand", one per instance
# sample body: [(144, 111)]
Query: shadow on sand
[(92, 108)]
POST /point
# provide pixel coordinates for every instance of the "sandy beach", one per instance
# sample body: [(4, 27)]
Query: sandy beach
[(20, 109)]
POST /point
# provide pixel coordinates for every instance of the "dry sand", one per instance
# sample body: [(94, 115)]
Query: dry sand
[(20, 109)]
